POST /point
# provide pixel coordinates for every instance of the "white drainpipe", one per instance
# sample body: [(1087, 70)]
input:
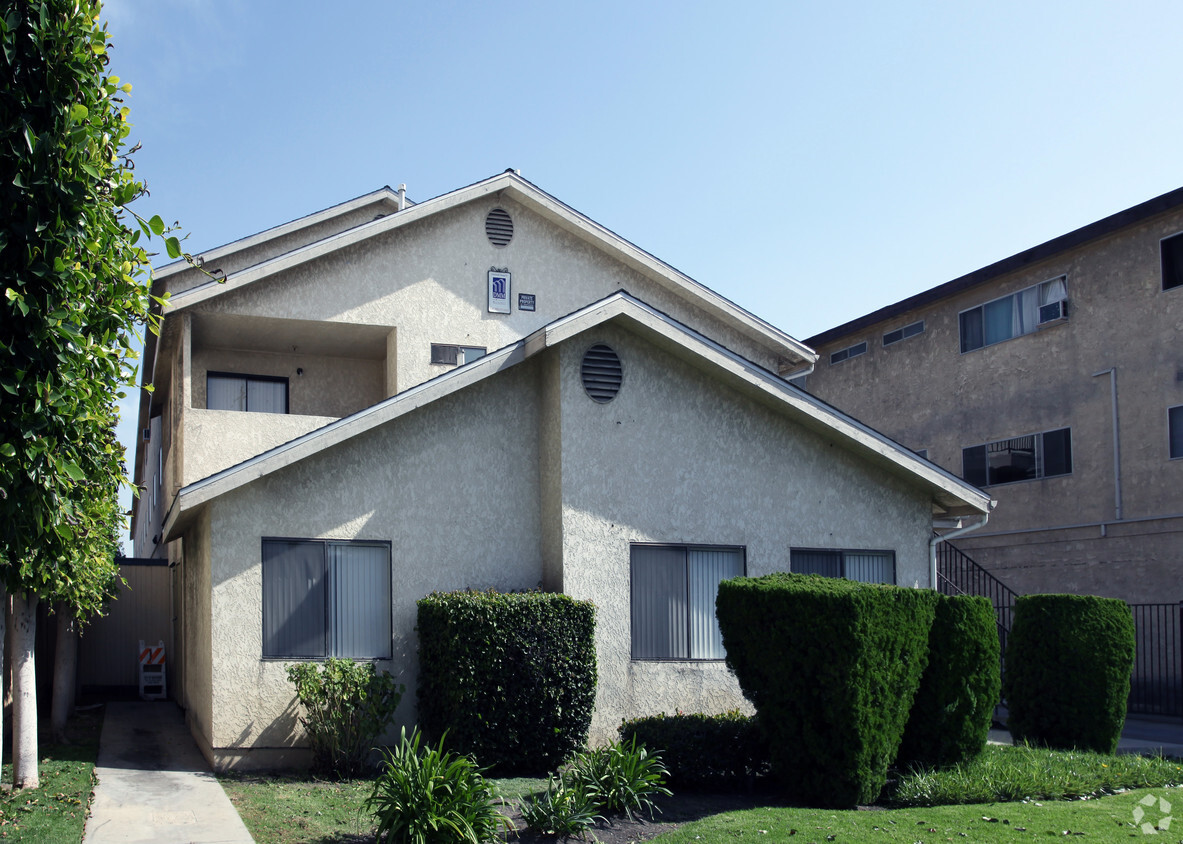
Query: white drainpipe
[(953, 534)]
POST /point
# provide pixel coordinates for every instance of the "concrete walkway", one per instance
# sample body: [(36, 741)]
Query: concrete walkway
[(1140, 735), (154, 785)]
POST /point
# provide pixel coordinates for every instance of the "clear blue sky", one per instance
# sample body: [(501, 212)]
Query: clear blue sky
[(810, 161)]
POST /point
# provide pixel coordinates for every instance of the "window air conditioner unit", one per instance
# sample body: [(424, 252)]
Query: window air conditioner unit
[(1053, 311)]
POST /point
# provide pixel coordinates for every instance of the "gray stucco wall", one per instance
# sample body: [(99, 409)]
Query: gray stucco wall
[(454, 487), (484, 488), (678, 458), (429, 279), (333, 386)]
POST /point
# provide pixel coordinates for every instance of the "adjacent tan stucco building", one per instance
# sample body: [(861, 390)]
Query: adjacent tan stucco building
[(1098, 357), (618, 412)]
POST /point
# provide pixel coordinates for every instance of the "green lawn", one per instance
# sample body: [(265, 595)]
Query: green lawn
[(291, 810), (1107, 819), (56, 812)]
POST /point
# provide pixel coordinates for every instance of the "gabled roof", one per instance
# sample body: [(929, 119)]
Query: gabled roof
[(511, 185), (384, 195), (950, 495), (1093, 231)]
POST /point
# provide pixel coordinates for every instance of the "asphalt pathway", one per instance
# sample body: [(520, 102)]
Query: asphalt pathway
[(154, 785)]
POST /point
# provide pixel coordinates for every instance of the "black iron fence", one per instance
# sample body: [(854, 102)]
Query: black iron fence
[(1156, 686), (958, 574)]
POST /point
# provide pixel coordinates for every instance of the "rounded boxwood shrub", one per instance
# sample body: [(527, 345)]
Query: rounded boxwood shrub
[(831, 667), (708, 752), (511, 678), (954, 706), (1068, 664)]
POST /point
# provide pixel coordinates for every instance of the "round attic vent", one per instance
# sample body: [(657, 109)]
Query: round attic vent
[(499, 227), (601, 373)]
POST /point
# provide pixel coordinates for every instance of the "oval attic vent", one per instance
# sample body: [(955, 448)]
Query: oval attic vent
[(499, 227), (601, 373)]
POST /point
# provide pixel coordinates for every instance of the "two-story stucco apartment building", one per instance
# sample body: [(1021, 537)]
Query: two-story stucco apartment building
[(1053, 379), (486, 390)]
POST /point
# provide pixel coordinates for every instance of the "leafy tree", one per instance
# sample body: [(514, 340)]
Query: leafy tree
[(73, 277)]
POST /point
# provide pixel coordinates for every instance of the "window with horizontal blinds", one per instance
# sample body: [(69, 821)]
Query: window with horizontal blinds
[(863, 566), (326, 598), (249, 393), (673, 599)]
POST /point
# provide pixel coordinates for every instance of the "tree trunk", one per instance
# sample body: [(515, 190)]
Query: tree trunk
[(24, 692), (3, 662), (65, 670), (9, 661)]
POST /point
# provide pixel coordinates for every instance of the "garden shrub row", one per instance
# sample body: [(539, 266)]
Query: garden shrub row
[(703, 752), (954, 706), (1068, 665), (832, 667), (511, 678)]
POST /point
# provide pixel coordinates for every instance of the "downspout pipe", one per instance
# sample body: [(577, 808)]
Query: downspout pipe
[(1112, 373), (953, 534)]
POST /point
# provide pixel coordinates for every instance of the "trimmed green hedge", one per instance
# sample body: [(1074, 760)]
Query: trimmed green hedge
[(511, 678), (1068, 664), (831, 666), (707, 752), (954, 705)]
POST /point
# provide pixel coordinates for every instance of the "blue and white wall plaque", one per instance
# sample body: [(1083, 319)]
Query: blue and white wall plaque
[(499, 283)]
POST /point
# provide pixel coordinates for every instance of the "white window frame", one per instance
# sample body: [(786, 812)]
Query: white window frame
[(273, 584), (842, 556), (1043, 291), (702, 640), (1038, 457), (849, 352)]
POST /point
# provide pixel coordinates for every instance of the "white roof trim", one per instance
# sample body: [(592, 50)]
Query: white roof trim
[(618, 305), (541, 202), (218, 252)]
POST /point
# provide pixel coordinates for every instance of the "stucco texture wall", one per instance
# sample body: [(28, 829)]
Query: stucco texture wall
[(678, 458), (453, 486), (429, 278), (520, 480), (925, 393)]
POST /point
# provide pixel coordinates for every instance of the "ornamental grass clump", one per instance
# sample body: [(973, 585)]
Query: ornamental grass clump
[(347, 705), (616, 779), (428, 795)]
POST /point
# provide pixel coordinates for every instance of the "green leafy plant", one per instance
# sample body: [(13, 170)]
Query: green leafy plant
[(511, 678), (1068, 665), (563, 809), (347, 705), (724, 752), (954, 706), (619, 778), (832, 667), (431, 796)]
